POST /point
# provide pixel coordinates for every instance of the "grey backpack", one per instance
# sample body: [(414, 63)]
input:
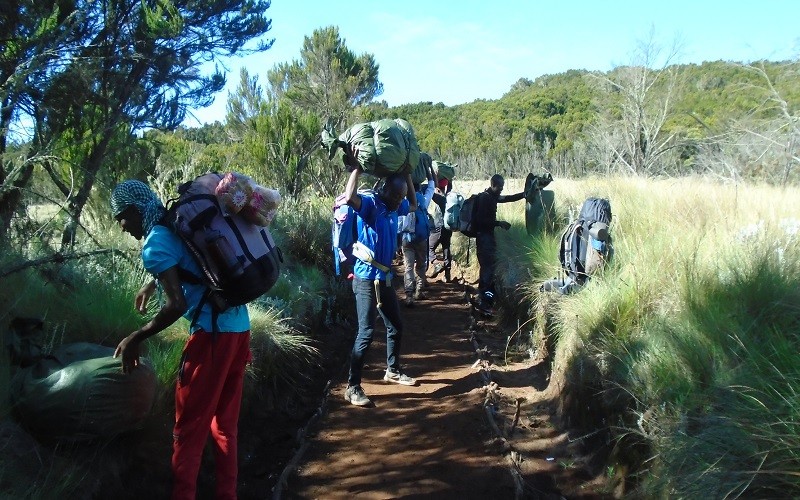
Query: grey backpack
[(240, 260)]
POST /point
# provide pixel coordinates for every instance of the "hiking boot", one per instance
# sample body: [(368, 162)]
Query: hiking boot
[(355, 395), (437, 269), (398, 378), (409, 302), (420, 295), (485, 309)]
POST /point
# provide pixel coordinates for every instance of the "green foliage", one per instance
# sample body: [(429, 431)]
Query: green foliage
[(303, 230), (684, 350), (282, 357), (86, 300), (108, 71), (328, 80)]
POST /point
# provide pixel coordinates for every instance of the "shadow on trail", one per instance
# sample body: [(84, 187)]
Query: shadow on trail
[(427, 441)]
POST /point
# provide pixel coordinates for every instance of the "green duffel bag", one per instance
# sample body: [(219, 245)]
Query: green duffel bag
[(420, 172), (539, 204), (79, 392), (382, 147), (444, 170)]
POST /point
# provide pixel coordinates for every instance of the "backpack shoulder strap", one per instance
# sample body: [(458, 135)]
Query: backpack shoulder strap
[(569, 252), (183, 274)]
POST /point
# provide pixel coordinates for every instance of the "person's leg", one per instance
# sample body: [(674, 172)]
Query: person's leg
[(421, 266), (366, 312), (196, 395), (233, 350), (447, 257), (485, 243), (390, 314), (445, 241), (409, 279), (433, 242)]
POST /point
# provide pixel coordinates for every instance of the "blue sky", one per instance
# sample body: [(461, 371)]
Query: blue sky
[(458, 51)]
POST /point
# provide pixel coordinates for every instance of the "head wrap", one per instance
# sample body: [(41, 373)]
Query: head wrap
[(138, 194)]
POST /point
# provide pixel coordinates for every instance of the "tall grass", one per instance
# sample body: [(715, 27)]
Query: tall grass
[(91, 300), (684, 351), (283, 358)]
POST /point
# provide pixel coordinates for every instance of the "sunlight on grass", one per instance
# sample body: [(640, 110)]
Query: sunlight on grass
[(689, 339)]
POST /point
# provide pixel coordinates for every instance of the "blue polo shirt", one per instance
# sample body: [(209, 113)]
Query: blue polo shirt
[(377, 229), (163, 249)]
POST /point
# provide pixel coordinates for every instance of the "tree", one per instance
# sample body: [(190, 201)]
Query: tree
[(329, 80), (35, 39), (762, 142), (639, 100), (278, 139), (136, 65)]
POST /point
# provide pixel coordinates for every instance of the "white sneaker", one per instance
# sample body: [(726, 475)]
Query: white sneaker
[(399, 378)]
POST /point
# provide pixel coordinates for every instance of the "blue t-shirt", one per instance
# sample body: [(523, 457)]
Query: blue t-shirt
[(162, 250), (377, 229)]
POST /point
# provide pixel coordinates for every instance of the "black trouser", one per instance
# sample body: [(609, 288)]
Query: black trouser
[(442, 237), (486, 247), (367, 313)]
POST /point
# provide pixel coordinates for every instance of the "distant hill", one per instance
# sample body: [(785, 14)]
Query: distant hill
[(551, 114)]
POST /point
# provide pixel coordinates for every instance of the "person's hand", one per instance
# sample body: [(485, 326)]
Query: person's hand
[(128, 348), (505, 225), (143, 296)]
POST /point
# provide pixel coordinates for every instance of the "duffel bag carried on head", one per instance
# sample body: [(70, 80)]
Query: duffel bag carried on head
[(444, 170), (380, 148), (420, 172)]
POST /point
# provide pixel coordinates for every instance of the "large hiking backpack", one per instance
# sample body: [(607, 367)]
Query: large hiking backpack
[(452, 211), (239, 259), (466, 217), (422, 221), (586, 244), (436, 217), (344, 231)]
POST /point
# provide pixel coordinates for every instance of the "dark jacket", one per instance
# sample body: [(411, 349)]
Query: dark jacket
[(486, 209)]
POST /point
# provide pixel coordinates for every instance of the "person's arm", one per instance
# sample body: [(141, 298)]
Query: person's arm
[(143, 296), (512, 197), (351, 190), (411, 194), (174, 307), (429, 190)]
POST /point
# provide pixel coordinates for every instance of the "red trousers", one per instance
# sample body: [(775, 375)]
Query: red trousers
[(208, 397)]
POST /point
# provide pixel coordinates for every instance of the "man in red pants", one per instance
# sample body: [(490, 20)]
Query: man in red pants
[(209, 388)]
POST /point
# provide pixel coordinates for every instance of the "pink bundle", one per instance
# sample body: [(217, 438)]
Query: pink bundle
[(239, 194)]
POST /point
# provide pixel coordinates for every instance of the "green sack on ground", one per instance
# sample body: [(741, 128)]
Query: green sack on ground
[(79, 392), (382, 147), (444, 170)]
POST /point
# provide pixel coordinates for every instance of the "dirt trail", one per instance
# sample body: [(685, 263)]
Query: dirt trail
[(433, 440)]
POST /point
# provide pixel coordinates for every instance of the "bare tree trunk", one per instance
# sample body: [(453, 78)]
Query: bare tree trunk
[(76, 203), (11, 195)]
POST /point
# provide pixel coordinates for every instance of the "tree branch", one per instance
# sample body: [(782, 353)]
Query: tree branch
[(57, 258)]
